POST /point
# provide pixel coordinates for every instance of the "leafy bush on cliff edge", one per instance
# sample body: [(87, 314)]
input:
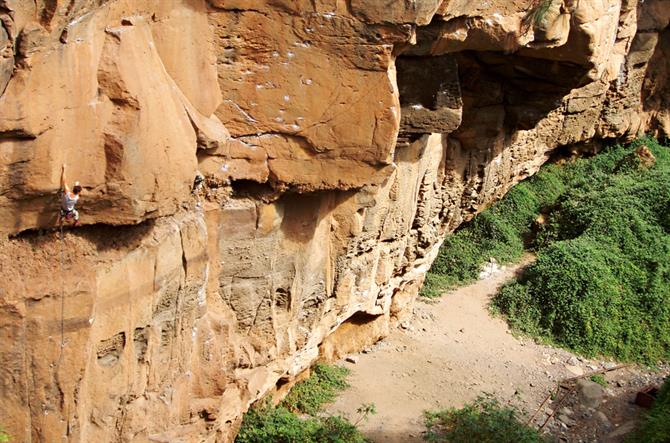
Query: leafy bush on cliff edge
[(601, 282)]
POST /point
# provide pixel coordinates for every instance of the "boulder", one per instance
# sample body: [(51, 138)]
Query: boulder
[(591, 394)]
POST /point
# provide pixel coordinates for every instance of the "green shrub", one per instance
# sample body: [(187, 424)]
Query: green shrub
[(655, 427), (600, 284), (266, 423), (498, 232), (600, 379), (269, 424), (483, 421), (539, 13), (282, 424), (4, 437), (321, 387), (435, 284), (336, 429)]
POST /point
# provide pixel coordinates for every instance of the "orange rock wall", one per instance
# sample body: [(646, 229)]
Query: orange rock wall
[(339, 141)]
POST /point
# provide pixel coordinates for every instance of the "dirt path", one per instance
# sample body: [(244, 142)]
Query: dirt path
[(450, 353)]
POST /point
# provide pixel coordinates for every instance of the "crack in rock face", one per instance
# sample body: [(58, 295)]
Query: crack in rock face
[(267, 183)]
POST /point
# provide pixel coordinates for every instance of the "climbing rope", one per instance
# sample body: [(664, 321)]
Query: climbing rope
[(62, 270), (66, 406), (62, 295)]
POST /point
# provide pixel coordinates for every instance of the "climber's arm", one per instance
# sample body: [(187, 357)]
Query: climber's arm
[(63, 184)]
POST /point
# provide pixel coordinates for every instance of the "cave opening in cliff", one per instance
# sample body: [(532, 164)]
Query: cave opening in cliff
[(429, 103), (251, 189), (103, 236), (526, 88), (420, 87), (361, 318)]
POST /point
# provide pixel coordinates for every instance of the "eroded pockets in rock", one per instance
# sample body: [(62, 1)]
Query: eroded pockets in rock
[(109, 350)]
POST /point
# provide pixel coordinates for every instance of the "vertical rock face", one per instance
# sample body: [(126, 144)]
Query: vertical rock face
[(339, 141)]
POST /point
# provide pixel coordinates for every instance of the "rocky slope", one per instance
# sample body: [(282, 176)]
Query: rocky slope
[(340, 140)]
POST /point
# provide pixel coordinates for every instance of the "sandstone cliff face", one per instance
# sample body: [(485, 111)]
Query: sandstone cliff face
[(340, 141)]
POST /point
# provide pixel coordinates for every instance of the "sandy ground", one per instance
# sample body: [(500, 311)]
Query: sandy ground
[(450, 353)]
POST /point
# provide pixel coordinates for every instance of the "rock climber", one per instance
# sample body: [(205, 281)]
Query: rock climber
[(70, 198), (197, 190), (198, 182)]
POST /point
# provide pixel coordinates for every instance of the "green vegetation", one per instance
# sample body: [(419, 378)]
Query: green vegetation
[(4, 437), (598, 378), (535, 16), (320, 388), (498, 232), (279, 425), (601, 282), (364, 412), (283, 424), (483, 421), (539, 12), (656, 425)]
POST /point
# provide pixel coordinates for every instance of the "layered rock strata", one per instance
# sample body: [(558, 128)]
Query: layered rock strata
[(339, 141)]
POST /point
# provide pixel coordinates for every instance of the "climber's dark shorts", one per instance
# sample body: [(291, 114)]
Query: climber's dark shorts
[(69, 215)]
